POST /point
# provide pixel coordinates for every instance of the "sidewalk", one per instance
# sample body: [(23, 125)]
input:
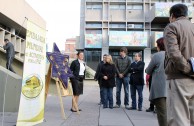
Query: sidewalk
[(92, 114)]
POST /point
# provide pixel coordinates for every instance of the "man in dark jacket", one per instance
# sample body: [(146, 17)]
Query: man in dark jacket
[(179, 45), (99, 79), (137, 81), (10, 54), (122, 64)]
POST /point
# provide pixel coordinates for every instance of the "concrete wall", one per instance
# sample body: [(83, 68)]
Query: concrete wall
[(135, 15), (17, 10), (17, 65), (13, 90), (90, 15), (117, 15), (80, 44)]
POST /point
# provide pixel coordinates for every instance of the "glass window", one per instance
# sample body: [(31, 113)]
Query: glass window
[(97, 6), (117, 25), (177, 1), (94, 6), (92, 58), (117, 7), (93, 31), (134, 7), (138, 25), (89, 6), (137, 7), (94, 25)]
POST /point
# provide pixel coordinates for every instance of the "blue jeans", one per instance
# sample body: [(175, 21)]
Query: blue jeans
[(139, 89), (125, 82), (108, 97)]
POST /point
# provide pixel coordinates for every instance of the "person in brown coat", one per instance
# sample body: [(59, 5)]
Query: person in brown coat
[(179, 46)]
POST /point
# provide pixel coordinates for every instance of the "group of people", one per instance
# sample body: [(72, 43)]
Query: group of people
[(171, 70), (121, 72)]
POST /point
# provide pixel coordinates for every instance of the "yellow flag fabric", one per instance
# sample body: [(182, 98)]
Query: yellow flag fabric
[(32, 101)]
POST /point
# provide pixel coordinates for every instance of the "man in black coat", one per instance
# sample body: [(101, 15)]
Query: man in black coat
[(10, 54), (137, 81), (99, 79)]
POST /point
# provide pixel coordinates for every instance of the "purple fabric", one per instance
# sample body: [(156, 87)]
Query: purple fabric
[(60, 69)]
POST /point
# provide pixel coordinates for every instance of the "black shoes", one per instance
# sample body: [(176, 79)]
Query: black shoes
[(131, 108), (149, 110), (74, 110)]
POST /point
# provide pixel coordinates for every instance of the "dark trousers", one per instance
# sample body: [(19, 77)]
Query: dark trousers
[(139, 89), (101, 94), (8, 64), (151, 104), (125, 82), (161, 111), (108, 97)]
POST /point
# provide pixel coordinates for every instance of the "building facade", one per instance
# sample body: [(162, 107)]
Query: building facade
[(13, 22), (70, 47), (108, 25)]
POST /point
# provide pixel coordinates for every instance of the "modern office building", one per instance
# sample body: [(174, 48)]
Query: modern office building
[(13, 18), (108, 25), (70, 47)]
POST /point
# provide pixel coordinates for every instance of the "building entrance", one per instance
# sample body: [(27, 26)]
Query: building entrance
[(131, 54)]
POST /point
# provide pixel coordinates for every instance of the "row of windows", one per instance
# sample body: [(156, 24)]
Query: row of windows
[(100, 31), (116, 7), (129, 7), (113, 25)]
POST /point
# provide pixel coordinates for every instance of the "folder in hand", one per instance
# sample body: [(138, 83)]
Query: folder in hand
[(192, 62)]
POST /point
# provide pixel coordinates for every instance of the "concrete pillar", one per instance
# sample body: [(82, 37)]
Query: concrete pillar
[(12, 31), (147, 56), (13, 90), (105, 50)]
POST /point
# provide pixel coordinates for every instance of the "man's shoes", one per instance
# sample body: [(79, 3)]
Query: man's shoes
[(131, 108), (111, 107), (140, 109), (127, 106), (117, 106), (149, 110), (105, 107)]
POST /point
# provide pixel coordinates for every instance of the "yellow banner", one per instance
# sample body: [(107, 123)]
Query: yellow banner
[(32, 101)]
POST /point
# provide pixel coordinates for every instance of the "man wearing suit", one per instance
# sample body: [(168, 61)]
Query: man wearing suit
[(137, 82), (10, 54), (179, 45)]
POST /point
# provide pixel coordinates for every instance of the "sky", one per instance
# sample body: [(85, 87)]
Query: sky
[(62, 19)]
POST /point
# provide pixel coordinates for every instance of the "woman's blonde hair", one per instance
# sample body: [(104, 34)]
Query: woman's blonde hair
[(110, 57)]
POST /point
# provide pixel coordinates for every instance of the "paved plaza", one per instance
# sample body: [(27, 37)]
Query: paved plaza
[(92, 114)]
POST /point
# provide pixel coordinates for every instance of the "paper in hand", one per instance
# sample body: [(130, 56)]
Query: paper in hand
[(192, 62)]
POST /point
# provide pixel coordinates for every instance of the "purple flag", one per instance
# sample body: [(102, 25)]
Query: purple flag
[(55, 48), (60, 68)]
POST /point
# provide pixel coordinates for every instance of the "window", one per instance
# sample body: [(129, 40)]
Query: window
[(94, 25), (93, 31), (177, 1), (138, 25), (117, 25), (94, 6), (117, 7), (134, 7)]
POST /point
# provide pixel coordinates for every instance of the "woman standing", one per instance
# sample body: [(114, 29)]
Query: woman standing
[(108, 72), (78, 68), (158, 90)]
